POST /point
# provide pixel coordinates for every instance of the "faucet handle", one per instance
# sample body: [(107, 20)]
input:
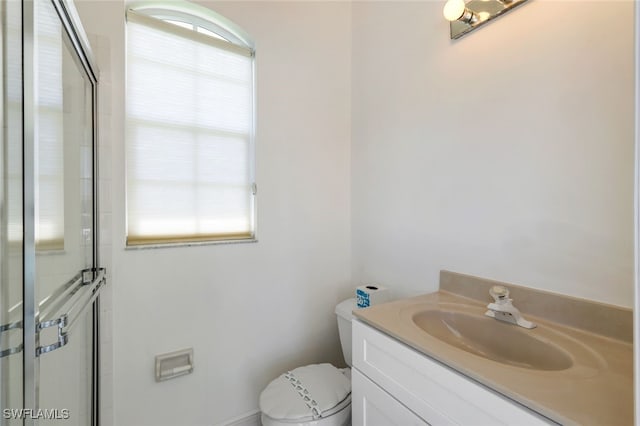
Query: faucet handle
[(499, 292)]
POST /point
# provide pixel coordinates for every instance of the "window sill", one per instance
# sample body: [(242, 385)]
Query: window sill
[(190, 244)]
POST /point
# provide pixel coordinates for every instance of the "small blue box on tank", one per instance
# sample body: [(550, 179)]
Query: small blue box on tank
[(371, 294), (362, 298)]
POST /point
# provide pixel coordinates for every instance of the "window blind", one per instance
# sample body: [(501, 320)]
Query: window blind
[(189, 158)]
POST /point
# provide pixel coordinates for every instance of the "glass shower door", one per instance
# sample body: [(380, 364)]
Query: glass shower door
[(50, 281), (64, 225)]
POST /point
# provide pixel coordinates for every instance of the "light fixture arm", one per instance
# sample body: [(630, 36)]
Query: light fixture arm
[(468, 17)]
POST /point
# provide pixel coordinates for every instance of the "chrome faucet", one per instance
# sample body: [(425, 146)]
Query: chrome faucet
[(502, 309)]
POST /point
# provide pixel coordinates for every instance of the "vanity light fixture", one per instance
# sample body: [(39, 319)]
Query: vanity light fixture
[(466, 17)]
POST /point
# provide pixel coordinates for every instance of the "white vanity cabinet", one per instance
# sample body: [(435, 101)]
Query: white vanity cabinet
[(372, 406), (393, 384)]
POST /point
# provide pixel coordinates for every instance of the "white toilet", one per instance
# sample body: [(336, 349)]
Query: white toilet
[(317, 394)]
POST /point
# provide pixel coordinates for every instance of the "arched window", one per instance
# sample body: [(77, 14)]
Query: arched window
[(189, 132)]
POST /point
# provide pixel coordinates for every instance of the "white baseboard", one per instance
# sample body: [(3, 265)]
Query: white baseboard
[(251, 418)]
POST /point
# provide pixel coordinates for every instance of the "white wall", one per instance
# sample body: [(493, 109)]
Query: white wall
[(507, 154), (251, 311)]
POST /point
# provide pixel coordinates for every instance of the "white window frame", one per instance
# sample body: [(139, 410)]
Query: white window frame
[(200, 17)]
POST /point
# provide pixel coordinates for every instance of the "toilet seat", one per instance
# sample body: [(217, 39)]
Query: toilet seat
[(318, 394)]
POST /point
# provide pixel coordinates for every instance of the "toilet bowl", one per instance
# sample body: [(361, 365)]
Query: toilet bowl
[(313, 395)]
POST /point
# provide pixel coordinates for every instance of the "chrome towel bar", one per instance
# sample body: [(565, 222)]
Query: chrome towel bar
[(78, 296)]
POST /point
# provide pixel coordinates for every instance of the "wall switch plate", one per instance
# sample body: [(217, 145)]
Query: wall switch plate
[(174, 364)]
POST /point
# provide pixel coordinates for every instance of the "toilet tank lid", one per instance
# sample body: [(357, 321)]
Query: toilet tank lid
[(346, 307)]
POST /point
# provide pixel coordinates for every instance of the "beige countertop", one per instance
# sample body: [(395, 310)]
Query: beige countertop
[(597, 389)]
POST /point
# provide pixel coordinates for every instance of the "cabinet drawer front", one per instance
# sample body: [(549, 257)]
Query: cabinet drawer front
[(374, 407), (433, 391)]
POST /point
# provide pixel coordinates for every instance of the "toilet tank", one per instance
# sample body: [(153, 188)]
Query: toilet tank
[(344, 313)]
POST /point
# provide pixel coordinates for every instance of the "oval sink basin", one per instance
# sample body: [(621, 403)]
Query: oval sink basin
[(492, 339)]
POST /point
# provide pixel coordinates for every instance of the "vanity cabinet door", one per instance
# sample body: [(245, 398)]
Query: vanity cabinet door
[(435, 392), (371, 406)]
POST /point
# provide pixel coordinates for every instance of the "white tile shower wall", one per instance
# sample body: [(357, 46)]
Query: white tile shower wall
[(250, 311), (506, 154)]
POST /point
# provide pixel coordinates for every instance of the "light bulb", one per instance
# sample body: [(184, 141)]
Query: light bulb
[(454, 9)]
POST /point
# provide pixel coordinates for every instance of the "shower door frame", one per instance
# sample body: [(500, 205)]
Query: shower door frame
[(72, 26)]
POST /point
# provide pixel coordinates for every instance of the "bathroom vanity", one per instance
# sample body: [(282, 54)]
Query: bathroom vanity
[(437, 359), (394, 384)]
